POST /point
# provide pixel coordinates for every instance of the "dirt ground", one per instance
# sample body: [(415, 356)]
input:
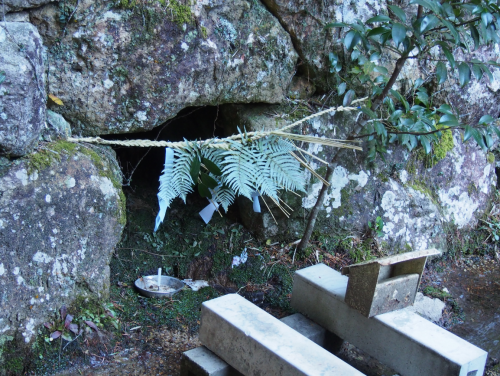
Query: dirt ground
[(471, 312)]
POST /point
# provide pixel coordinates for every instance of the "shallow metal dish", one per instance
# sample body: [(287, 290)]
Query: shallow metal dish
[(148, 286)]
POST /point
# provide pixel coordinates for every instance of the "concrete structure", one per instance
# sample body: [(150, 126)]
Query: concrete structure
[(401, 339), (385, 284), (255, 343), (202, 362)]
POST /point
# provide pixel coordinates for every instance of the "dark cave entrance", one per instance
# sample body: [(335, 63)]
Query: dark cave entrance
[(142, 166)]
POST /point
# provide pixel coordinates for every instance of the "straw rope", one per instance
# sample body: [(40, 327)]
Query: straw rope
[(224, 144)]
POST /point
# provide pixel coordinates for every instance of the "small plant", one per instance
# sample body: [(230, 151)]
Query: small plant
[(66, 324), (63, 327), (377, 226)]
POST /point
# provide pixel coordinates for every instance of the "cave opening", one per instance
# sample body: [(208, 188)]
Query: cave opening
[(142, 166)]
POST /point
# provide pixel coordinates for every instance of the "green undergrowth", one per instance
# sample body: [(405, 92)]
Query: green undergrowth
[(184, 246), (47, 356)]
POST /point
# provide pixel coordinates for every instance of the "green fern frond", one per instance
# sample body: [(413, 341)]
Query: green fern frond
[(225, 197), (240, 167), (181, 176), (284, 170)]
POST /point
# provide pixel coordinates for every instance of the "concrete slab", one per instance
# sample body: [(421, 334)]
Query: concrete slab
[(202, 362), (255, 343), (385, 284), (401, 339)]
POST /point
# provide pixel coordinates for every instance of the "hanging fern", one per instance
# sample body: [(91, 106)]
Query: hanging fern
[(264, 166)]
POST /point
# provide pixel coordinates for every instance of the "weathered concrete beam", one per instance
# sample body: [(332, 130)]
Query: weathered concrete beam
[(401, 339), (202, 362), (255, 343)]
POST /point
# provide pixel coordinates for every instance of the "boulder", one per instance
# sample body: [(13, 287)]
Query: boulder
[(130, 68), (22, 88), (417, 196), (62, 211), (56, 128), (306, 21), (17, 5)]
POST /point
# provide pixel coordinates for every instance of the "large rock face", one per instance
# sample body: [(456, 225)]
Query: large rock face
[(16, 5), (417, 196), (305, 21), (123, 70), (22, 88), (61, 215)]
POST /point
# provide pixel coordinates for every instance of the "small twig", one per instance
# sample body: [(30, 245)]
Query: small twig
[(151, 253)]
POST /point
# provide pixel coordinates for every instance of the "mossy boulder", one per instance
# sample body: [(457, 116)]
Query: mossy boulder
[(125, 66), (61, 215)]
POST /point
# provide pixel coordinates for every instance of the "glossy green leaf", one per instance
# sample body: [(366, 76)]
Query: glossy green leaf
[(208, 181), (423, 97), (428, 23), (445, 109), (424, 140), (380, 129), (487, 18), (379, 18), (335, 24), (468, 132), (368, 112), (341, 88), (448, 119), (351, 39), (348, 98), (426, 4), (377, 31), (452, 29), (211, 166), (475, 36), (477, 71), (441, 72), (381, 69), (478, 137), (204, 191), (486, 119), (398, 33), (398, 12), (194, 170), (447, 53), (463, 74), (496, 130)]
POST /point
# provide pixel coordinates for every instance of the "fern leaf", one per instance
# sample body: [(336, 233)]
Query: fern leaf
[(284, 170), (167, 191), (240, 167), (224, 196), (181, 174)]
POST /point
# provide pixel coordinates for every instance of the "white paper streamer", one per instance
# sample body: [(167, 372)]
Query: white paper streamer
[(207, 213), (256, 203)]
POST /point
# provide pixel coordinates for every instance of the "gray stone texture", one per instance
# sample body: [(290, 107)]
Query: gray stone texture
[(22, 90), (305, 21), (61, 214), (417, 200), (17, 5), (401, 339), (56, 127), (124, 70)]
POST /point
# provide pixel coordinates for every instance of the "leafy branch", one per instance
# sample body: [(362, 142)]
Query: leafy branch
[(411, 120)]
